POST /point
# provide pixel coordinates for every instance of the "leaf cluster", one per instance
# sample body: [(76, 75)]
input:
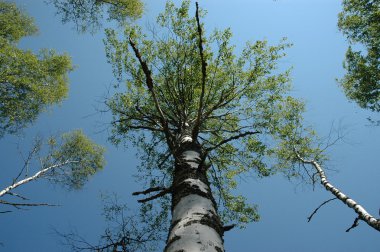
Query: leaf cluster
[(28, 82), (360, 23), (88, 15)]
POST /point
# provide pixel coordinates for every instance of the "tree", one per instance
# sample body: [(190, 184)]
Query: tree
[(29, 82), (125, 230), (68, 161), (88, 15), (202, 117), (360, 23)]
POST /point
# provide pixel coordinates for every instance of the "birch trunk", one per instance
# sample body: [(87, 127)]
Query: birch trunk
[(195, 224)]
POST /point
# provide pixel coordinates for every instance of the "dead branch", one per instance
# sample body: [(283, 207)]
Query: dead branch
[(162, 193), (316, 210), (228, 227), (149, 190), (204, 65), (354, 225)]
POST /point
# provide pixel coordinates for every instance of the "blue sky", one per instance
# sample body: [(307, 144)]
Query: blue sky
[(316, 58)]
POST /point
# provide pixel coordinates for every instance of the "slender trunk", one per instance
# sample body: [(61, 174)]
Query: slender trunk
[(195, 224)]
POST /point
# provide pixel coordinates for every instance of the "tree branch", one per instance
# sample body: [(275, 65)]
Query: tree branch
[(149, 190), (35, 176), (149, 83), (231, 139), (160, 194), (362, 213), (204, 65), (316, 210), (354, 225)]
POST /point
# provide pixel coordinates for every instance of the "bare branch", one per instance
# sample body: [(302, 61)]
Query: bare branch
[(149, 190), (362, 213), (18, 205), (228, 227), (354, 225), (162, 193), (316, 210)]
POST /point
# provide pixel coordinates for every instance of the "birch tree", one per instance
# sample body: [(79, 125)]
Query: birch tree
[(69, 161), (202, 117)]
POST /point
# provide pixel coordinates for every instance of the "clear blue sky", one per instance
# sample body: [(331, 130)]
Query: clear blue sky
[(284, 205)]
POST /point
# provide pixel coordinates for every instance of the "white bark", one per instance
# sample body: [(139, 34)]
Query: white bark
[(195, 222), (31, 178), (360, 210), (193, 236)]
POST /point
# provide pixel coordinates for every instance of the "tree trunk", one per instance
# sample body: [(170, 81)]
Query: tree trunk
[(195, 224)]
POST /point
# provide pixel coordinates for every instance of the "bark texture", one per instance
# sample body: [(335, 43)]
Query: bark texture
[(360, 210), (195, 224)]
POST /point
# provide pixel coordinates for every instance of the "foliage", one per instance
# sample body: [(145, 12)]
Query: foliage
[(86, 156), (237, 108), (88, 14), (360, 23), (29, 82), (70, 161)]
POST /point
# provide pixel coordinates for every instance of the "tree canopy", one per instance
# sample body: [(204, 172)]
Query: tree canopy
[(179, 79), (88, 15), (360, 23), (29, 82)]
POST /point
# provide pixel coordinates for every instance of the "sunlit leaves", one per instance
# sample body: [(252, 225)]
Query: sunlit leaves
[(246, 100), (85, 159), (29, 82), (88, 15), (360, 23)]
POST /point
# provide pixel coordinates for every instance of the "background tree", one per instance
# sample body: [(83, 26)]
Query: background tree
[(360, 23), (28, 82), (202, 117), (88, 15), (68, 161), (126, 230)]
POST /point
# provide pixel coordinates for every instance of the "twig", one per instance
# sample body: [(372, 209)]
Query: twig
[(362, 213), (315, 211), (354, 225)]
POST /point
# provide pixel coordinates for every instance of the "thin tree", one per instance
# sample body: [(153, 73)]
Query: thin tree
[(202, 117), (69, 161)]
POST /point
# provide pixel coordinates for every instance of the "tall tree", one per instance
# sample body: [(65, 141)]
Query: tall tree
[(28, 82), (88, 15), (202, 117), (360, 23)]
